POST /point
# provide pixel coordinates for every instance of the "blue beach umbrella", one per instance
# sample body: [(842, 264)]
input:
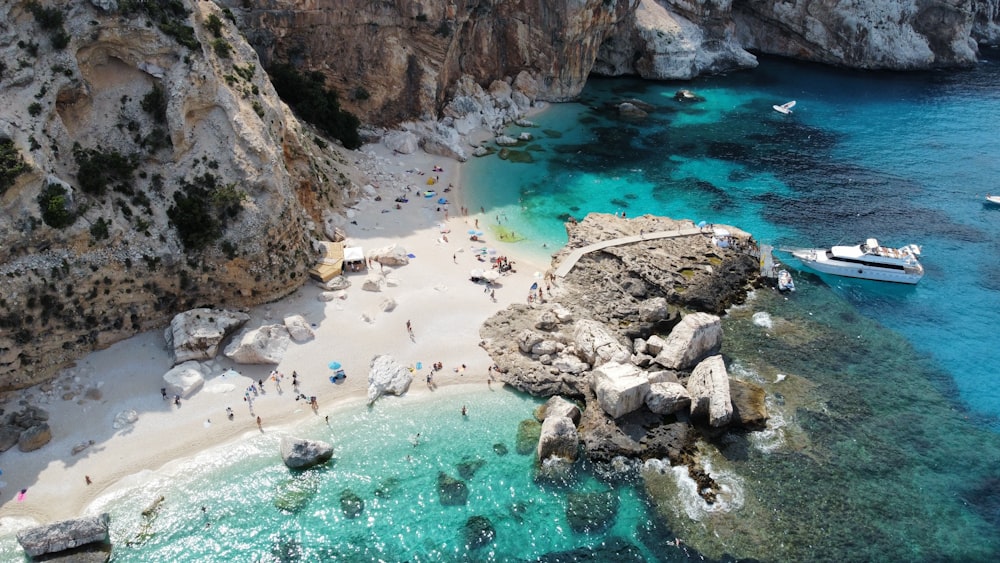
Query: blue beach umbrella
[(334, 365), (471, 231)]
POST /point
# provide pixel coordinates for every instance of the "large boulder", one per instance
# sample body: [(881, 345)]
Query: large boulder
[(392, 255), (558, 406), (34, 437), (620, 388), (709, 390), (184, 379), (559, 438), (264, 345), (597, 345), (298, 329), (402, 142), (386, 375), (667, 398), (61, 536), (749, 408), (197, 334), (300, 454), (697, 336), (654, 310)]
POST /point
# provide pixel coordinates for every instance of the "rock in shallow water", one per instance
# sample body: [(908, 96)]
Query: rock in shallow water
[(479, 531), (451, 491), (591, 512)]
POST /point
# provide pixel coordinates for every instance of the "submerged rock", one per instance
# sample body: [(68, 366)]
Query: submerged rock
[(479, 531), (351, 504), (467, 468), (528, 432), (591, 512), (749, 409), (451, 491), (500, 449), (296, 492)]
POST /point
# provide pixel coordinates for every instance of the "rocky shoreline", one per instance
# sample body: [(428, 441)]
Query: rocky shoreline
[(631, 335)]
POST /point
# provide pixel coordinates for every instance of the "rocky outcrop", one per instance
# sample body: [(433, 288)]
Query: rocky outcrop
[(62, 536), (298, 328), (392, 255), (709, 390), (184, 380), (558, 439), (198, 333), (452, 491), (217, 134), (597, 345), (673, 40), (263, 345), (694, 338), (667, 398), (386, 375), (28, 428), (558, 406), (620, 388), (749, 408), (298, 453)]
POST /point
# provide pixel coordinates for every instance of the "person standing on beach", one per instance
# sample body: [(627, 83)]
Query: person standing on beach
[(259, 426), (409, 329)]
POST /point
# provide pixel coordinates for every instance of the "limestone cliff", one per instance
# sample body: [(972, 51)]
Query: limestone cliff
[(399, 59), (164, 173), (883, 34)]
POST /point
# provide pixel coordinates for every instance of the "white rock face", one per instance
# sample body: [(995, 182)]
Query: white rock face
[(197, 334), (620, 388), (667, 398), (567, 363), (373, 282), (694, 338), (184, 379), (558, 406), (386, 375), (558, 438), (653, 310), (264, 345), (298, 329), (403, 142), (596, 344), (527, 340), (654, 344), (336, 283), (392, 255), (387, 305), (709, 390)]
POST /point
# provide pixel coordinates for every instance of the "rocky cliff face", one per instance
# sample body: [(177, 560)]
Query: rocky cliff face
[(887, 34), (89, 251), (398, 59)]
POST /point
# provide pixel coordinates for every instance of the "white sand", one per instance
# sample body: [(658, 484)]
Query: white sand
[(434, 293)]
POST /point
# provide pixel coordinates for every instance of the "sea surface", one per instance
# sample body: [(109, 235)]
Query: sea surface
[(883, 442)]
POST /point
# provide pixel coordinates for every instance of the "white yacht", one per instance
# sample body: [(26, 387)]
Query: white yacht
[(869, 261)]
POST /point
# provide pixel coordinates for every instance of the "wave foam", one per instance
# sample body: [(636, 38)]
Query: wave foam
[(762, 319), (730, 496)]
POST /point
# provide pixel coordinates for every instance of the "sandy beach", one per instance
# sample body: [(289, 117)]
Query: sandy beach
[(433, 292)]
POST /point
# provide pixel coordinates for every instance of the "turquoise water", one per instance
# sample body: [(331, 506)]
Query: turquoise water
[(883, 441)]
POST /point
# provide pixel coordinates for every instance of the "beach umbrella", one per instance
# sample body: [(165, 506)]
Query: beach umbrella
[(471, 231), (334, 365), (476, 274), (491, 275), (701, 224), (479, 233), (491, 251), (534, 286), (721, 233), (442, 201)]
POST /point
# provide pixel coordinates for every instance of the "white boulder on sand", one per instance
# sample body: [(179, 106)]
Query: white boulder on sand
[(387, 376), (392, 255), (264, 345), (709, 390), (694, 338), (298, 453), (184, 379), (298, 328), (197, 334)]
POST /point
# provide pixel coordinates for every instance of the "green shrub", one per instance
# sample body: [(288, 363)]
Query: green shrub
[(315, 104), (155, 103), (100, 169), (200, 208), (51, 20), (55, 207), (222, 48), (214, 24), (12, 164), (34, 109), (99, 230)]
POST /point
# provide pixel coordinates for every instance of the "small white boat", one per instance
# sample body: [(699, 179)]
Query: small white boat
[(869, 261), (785, 281), (993, 199), (785, 108)]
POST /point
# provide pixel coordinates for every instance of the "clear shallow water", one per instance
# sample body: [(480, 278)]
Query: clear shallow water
[(883, 441)]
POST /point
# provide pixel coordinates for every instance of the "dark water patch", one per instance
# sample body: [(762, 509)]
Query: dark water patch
[(552, 133), (613, 549), (886, 451), (619, 202)]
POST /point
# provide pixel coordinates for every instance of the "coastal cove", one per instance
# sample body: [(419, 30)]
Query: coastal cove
[(882, 440)]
